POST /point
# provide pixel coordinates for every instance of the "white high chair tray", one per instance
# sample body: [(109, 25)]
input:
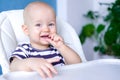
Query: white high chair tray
[(106, 69)]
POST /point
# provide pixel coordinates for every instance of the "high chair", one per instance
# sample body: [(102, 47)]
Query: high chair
[(11, 34)]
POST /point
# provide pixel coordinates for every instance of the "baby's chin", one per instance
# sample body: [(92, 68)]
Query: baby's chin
[(45, 41)]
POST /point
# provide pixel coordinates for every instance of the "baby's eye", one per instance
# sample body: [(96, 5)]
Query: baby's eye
[(51, 24), (38, 25)]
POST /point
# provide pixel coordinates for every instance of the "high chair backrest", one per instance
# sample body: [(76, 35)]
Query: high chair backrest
[(11, 34)]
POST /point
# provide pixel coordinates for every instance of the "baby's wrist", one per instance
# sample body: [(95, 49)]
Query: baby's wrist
[(61, 46)]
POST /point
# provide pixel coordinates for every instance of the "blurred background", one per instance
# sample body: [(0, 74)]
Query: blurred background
[(91, 19)]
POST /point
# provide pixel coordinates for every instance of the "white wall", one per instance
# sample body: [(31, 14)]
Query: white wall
[(62, 9), (76, 9)]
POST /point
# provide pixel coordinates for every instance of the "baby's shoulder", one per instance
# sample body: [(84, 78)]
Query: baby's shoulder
[(24, 45)]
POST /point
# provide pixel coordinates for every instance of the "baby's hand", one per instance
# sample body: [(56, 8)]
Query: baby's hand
[(55, 40), (42, 66)]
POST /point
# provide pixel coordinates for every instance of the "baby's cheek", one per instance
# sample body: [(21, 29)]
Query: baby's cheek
[(53, 31)]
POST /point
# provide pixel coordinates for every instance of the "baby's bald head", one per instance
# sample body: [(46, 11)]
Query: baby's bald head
[(33, 7)]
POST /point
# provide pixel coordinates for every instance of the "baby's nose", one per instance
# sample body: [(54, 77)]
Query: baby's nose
[(46, 28)]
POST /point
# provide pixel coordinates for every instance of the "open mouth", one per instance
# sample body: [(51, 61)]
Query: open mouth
[(45, 36)]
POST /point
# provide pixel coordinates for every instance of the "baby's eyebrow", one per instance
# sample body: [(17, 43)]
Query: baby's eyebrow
[(37, 20)]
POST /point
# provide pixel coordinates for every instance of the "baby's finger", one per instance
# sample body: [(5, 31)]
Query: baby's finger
[(50, 41), (47, 71), (42, 74), (56, 38), (51, 36), (51, 60), (51, 68)]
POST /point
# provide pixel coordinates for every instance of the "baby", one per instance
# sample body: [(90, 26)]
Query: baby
[(46, 49)]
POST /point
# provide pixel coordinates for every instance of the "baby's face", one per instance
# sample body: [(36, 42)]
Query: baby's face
[(42, 23)]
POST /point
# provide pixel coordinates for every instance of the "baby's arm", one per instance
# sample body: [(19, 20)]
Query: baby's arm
[(42, 66), (70, 56)]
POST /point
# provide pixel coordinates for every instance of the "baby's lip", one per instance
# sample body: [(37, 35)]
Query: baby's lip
[(44, 36)]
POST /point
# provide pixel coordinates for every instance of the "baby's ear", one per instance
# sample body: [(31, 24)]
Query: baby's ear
[(25, 29)]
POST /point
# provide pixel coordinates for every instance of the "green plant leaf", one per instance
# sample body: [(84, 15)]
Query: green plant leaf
[(90, 14), (100, 28), (109, 42), (102, 50), (110, 36), (88, 30), (82, 38), (96, 48), (116, 49), (108, 17)]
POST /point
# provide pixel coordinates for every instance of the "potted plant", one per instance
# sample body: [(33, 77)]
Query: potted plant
[(106, 36)]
